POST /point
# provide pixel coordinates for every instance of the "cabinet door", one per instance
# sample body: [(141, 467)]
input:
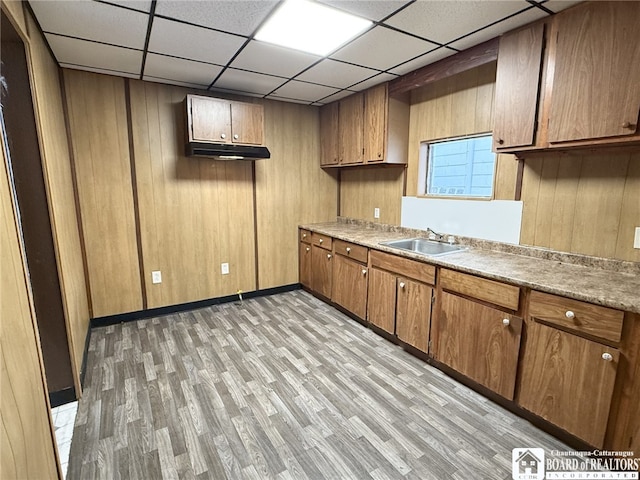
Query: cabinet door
[(321, 264), (304, 259), (474, 340), (210, 119), (375, 122), (517, 87), (329, 134), (413, 313), (247, 120), (567, 380), (350, 285), (351, 129), (381, 304), (596, 92)]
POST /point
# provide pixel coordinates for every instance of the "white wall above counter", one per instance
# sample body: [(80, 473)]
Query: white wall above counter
[(497, 220)]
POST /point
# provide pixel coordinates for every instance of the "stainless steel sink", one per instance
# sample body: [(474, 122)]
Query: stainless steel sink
[(424, 246)]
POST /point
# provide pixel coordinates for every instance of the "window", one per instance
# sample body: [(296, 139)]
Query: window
[(460, 167)]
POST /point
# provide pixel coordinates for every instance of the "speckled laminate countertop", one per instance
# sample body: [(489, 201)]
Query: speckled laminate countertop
[(609, 283)]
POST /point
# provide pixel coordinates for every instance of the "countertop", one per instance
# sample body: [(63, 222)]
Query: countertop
[(580, 279)]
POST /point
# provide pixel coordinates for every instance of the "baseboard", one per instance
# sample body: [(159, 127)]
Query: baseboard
[(62, 397), (183, 307)]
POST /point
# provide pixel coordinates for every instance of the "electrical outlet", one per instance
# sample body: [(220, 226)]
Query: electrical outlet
[(156, 276), (376, 212), (224, 268), (636, 240)]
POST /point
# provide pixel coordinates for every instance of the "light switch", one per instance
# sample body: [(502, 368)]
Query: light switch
[(636, 240), (156, 276), (376, 212), (224, 268)]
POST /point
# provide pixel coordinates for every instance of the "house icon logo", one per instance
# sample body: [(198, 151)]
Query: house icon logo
[(528, 463)]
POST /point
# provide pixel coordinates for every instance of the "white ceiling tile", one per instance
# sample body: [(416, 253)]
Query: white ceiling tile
[(96, 55), (196, 43), (186, 71), (266, 58), (376, 10), (444, 21), (382, 48), (383, 77), (422, 61), (142, 5), (336, 74), (241, 17), (557, 5), (499, 28), (248, 81), (99, 70), (304, 91), (149, 78), (93, 21)]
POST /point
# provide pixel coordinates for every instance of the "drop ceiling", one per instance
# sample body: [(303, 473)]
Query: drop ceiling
[(209, 44)]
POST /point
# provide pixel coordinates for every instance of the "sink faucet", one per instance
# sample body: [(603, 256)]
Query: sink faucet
[(438, 237)]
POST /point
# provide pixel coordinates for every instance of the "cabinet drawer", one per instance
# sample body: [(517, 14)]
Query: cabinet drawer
[(351, 250), (488, 290), (577, 316), (403, 266), (305, 236), (322, 241)]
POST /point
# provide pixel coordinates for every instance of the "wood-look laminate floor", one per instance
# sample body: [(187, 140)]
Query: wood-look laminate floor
[(281, 387)]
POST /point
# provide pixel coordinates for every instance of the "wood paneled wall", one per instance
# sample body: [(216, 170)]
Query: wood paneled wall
[(364, 189), (456, 106), (98, 122), (27, 447), (583, 204), (56, 166), (195, 213), (291, 188)]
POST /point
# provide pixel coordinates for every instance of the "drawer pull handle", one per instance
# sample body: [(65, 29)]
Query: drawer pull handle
[(320, 241), (236, 136), (364, 272), (570, 315), (304, 235), (328, 255), (348, 250), (223, 136), (401, 284), (506, 322), (308, 249), (607, 357)]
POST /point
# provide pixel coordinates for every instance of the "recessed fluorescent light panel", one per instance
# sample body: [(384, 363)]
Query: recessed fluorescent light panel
[(310, 27)]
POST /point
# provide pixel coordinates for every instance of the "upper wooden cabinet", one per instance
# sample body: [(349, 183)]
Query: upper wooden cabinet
[(216, 120), (571, 81), (596, 85), (516, 94), (365, 128)]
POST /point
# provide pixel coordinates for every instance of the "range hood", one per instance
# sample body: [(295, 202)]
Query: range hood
[(226, 151)]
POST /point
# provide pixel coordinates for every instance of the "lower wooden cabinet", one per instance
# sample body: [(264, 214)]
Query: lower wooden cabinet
[(413, 313), (304, 264), (350, 285), (481, 342), (568, 380), (381, 306), (321, 270)]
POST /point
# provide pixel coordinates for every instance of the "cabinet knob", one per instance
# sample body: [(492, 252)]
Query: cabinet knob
[(379, 155), (500, 141), (320, 241), (364, 271), (348, 249), (607, 357), (304, 235), (223, 136), (570, 315), (328, 255), (236, 136), (308, 249), (401, 284), (506, 321), (627, 125)]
